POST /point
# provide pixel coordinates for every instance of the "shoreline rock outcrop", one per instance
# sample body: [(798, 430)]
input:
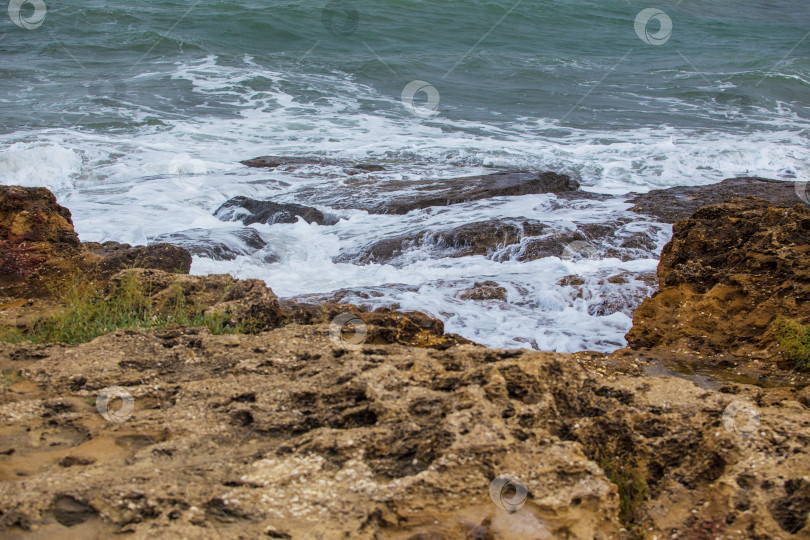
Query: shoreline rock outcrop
[(676, 203), (729, 272), (39, 249), (380, 425)]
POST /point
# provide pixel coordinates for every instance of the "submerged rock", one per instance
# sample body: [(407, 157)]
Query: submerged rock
[(250, 211), (485, 290), (292, 163), (728, 273), (480, 238), (444, 192), (218, 244)]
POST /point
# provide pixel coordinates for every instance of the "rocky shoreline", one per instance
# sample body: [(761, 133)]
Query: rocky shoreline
[(292, 419)]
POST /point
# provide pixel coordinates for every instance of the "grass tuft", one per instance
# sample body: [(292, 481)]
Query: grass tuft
[(794, 338), (86, 313), (10, 377), (631, 480)]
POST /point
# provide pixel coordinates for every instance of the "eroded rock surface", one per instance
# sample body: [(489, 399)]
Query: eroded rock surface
[(289, 433), (34, 228), (116, 256), (729, 271)]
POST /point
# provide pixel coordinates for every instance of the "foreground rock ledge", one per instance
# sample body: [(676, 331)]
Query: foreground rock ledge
[(285, 434)]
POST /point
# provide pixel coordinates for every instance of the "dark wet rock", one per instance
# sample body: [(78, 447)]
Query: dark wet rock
[(220, 245), (292, 163), (676, 203), (484, 290), (480, 238), (551, 245), (526, 240), (115, 257), (250, 211), (603, 240), (444, 192)]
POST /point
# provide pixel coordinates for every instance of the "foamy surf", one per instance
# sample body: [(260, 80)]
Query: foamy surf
[(152, 153)]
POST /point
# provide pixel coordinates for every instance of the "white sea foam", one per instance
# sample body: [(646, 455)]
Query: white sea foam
[(40, 164), (134, 185)]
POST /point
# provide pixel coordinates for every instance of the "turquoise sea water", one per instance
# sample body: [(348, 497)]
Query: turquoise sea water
[(136, 114), (727, 65)]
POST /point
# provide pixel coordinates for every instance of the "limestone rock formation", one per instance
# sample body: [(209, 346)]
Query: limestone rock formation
[(729, 271), (290, 434)]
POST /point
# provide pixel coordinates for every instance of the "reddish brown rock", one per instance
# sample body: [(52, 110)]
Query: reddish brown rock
[(34, 229), (40, 251)]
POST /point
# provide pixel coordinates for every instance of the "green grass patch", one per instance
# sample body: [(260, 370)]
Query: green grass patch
[(794, 339), (631, 481), (10, 377), (87, 313)]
